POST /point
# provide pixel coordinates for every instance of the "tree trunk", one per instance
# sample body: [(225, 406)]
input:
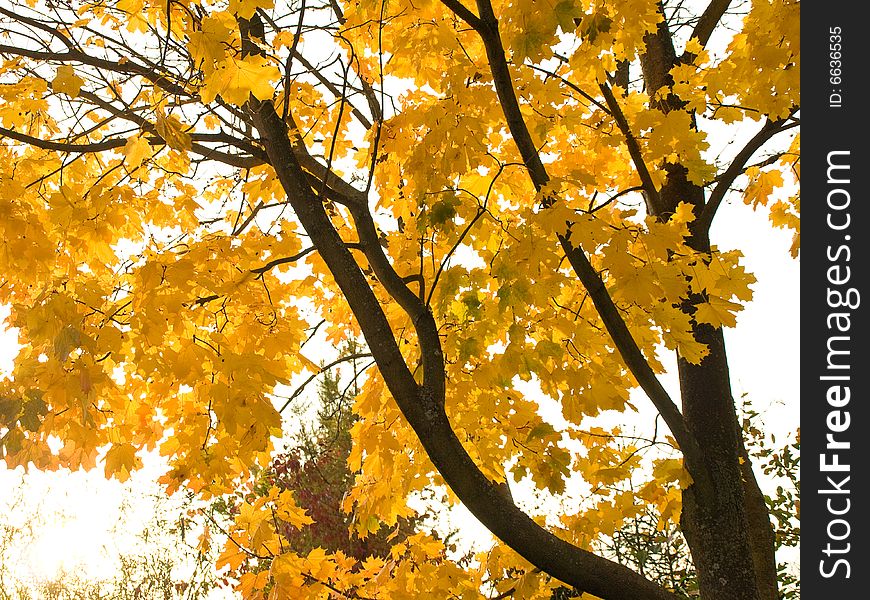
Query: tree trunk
[(732, 563), (762, 538), (727, 528), (716, 528)]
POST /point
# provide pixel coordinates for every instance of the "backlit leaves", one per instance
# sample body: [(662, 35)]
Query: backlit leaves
[(165, 292), (237, 79), (173, 132), (67, 82)]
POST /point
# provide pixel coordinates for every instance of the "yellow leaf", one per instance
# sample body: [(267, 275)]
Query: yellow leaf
[(683, 214), (204, 543), (693, 46), (251, 582), (137, 149), (717, 312), (287, 510), (208, 44), (308, 363), (237, 79), (672, 470), (247, 8), (173, 132), (233, 556), (120, 461), (66, 81)]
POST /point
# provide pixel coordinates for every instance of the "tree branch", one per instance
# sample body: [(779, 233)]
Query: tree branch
[(39, 25), (434, 378), (101, 146), (233, 160), (651, 193), (736, 168), (507, 96), (461, 11), (570, 85), (613, 322), (323, 369), (706, 24), (638, 365), (149, 73), (277, 262), (364, 121)]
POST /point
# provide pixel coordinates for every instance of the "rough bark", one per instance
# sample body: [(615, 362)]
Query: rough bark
[(729, 534), (762, 538), (717, 531)]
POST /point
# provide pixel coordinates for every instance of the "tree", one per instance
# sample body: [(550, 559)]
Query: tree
[(314, 467), (489, 194)]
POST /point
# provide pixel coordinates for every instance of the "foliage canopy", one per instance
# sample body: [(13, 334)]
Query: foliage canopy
[(511, 192)]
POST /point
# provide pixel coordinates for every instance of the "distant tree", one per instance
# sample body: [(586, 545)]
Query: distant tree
[(315, 468)]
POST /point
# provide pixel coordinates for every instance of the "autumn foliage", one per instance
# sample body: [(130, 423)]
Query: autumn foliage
[(314, 467), (510, 202)]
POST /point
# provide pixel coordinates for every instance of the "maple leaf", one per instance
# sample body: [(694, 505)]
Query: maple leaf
[(208, 45), (121, 460), (235, 80), (717, 312), (173, 132), (247, 8), (137, 149), (287, 510), (67, 82)]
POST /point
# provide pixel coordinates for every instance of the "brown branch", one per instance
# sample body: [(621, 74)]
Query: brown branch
[(128, 114), (651, 193), (351, 594), (364, 121), (461, 11), (443, 263), (706, 24), (507, 96), (101, 146), (481, 210), (570, 85), (41, 26), (322, 177), (233, 160), (321, 371), (259, 271), (434, 377), (148, 72), (277, 262), (613, 321), (637, 364), (736, 168)]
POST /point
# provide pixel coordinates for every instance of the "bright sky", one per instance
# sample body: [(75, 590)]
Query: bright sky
[(77, 525)]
